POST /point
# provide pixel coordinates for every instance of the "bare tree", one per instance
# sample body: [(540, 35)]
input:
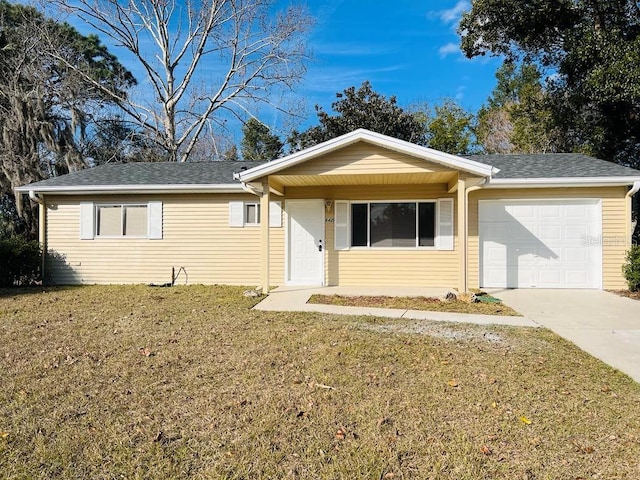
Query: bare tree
[(204, 60)]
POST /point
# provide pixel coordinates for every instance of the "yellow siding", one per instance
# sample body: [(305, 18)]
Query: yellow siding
[(614, 225), (424, 268), (364, 158), (196, 236)]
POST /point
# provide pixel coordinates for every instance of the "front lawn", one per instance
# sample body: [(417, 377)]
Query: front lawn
[(188, 382)]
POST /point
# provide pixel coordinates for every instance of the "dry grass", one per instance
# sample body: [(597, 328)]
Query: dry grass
[(415, 303), (188, 382)]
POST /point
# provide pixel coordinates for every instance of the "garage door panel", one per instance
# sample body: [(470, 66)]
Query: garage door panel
[(549, 211), (541, 243), (522, 212), (576, 233), (574, 279), (575, 212), (550, 233), (495, 252)]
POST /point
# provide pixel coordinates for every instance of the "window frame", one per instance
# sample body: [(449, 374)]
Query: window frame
[(417, 225), (245, 215), (122, 207)]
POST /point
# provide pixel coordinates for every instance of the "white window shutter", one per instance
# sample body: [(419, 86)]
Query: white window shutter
[(236, 214), (444, 236), (275, 214), (154, 218), (87, 222), (341, 225)]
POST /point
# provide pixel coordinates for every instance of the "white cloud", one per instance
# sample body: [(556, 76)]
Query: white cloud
[(453, 15), (448, 49)]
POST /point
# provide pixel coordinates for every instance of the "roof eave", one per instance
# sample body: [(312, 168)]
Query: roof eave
[(131, 189), (377, 139), (562, 182)]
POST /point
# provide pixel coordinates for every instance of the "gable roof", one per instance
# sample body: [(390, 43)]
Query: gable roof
[(373, 138), (526, 170), (147, 177)]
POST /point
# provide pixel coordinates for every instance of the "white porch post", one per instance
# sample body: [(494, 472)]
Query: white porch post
[(264, 236), (462, 235)]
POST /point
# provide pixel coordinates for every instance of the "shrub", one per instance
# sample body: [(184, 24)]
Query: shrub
[(19, 261), (631, 268)]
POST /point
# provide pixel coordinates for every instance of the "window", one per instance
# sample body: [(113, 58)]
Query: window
[(243, 214), (142, 220), (393, 224), (121, 220), (251, 214)]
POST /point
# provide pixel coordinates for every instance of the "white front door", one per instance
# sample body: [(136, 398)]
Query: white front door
[(305, 242)]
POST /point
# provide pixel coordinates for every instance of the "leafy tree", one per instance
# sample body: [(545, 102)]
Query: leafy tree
[(449, 128), (517, 118), (253, 50), (45, 106), (361, 108), (592, 48), (258, 143)]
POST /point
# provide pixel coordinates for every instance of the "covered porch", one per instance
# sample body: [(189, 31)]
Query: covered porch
[(348, 207)]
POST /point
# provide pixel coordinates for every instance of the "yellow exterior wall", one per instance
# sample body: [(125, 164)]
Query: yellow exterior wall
[(364, 158), (196, 235), (393, 267), (614, 225)]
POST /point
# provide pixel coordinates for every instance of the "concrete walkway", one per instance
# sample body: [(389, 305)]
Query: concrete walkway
[(601, 323), (294, 299)]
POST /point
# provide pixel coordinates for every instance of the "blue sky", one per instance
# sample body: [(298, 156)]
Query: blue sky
[(406, 48)]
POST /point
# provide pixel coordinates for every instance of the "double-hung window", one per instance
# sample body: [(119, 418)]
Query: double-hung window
[(121, 220), (394, 224)]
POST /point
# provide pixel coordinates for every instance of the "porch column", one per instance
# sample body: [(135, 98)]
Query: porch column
[(462, 235), (264, 236)]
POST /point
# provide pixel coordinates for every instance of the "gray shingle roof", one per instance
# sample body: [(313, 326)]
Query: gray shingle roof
[(159, 173), (556, 165), (553, 165)]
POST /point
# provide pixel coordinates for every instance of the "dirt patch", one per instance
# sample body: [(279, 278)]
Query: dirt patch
[(436, 330), (626, 293), (416, 303)]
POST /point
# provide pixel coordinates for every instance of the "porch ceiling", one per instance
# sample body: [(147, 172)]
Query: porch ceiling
[(367, 179)]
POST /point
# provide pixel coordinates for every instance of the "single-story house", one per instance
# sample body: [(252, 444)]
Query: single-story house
[(361, 209)]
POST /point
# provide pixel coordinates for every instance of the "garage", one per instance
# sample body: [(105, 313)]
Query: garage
[(540, 243)]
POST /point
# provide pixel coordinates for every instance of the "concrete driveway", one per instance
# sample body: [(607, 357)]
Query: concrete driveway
[(601, 323)]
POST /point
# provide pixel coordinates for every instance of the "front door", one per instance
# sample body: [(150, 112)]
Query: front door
[(305, 242)]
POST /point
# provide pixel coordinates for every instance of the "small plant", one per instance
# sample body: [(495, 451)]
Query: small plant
[(631, 268), (19, 261)]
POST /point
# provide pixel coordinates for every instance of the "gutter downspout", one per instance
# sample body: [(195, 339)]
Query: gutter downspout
[(630, 226), (42, 230), (465, 253)]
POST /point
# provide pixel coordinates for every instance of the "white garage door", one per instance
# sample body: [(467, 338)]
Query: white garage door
[(540, 243)]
